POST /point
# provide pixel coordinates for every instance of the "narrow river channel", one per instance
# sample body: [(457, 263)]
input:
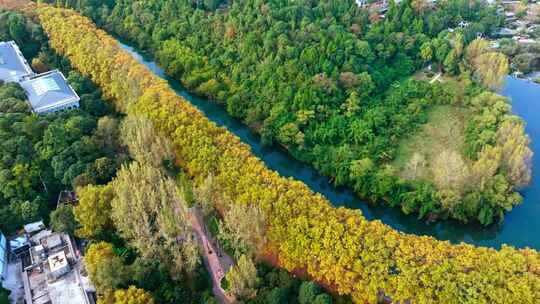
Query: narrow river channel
[(521, 227)]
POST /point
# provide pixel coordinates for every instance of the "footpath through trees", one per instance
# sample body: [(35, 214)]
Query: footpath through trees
[(216, 262)]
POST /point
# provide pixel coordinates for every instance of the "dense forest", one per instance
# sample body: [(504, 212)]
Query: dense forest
[(332, 83), (366, 260), (43, 155), (130, 209)]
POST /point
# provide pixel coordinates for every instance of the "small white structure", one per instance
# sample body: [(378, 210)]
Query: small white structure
[(361, 2), (463, 24), (50, 92), (495, 44), (13, 65), (507, 32), (34, 227)]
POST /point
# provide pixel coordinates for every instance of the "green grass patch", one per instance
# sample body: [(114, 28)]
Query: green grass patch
[(419, 155)]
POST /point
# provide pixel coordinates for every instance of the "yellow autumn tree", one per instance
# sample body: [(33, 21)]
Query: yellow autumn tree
[(336, 246), (105, 268), (93, 210), (490, 68), (132, 295)]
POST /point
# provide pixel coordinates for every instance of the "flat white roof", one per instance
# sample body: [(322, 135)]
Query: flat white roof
[(49, 91), (13, 65), (34, 227), (67, 290)]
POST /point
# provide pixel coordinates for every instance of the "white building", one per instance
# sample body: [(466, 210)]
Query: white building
[(13, 65), (33, 228), (50, 92), (47, 92), (51, 270)]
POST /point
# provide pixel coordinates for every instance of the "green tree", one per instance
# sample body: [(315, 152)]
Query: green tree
[(4, 296), (93, 210), (63, 219), (426, 52), (149, 211), (107, 271), (244, 227), (308, 292), (323, 299), (242, 278)]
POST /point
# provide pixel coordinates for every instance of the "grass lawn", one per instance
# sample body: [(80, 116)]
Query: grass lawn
[(419, 153)]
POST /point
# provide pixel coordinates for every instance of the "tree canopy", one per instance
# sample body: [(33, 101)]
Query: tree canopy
[(44, 154), (324, 80), (365, 259)]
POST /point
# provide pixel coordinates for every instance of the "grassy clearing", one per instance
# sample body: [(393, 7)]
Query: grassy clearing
[(457, 84), (437, 144)]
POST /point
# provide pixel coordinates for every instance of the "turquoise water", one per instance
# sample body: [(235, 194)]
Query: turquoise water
[(521, 227)]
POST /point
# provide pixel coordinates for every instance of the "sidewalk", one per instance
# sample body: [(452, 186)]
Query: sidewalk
[(217, 266)]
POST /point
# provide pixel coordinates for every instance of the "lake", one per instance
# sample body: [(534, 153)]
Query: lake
[(521, 227)]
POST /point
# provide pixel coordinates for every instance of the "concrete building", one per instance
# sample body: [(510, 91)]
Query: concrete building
[(51, 270), (50, 92), (47, 92), (13, 65)]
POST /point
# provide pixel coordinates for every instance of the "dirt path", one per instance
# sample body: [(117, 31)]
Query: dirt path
[(217, 263)]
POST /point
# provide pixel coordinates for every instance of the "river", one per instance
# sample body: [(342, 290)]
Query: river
[(521, 228)]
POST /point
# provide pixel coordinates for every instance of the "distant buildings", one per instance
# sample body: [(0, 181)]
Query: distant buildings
[(47, 92)]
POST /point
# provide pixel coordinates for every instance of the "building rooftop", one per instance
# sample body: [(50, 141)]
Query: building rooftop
[(52, 274), (49, 92), (13, 65), (67, 290), (19, 244), (34, 227), (46, 92)]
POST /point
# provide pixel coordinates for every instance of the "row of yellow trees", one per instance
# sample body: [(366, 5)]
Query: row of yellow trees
[(338, 246)]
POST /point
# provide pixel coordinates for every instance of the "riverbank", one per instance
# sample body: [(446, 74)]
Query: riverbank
[(365, 259), (278, 159)]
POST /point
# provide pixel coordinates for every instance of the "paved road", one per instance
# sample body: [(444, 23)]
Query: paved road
[(217, 266)]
